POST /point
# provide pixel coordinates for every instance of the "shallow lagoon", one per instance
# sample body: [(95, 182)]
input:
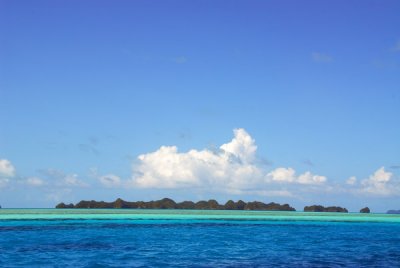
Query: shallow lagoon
[(180, 214), (201, 238)]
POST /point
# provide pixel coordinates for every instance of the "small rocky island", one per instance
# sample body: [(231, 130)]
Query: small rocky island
[(319, 208), (365, 210), (392, 211), (168, 203)]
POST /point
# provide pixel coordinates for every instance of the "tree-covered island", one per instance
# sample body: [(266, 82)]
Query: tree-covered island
[(167, 203)]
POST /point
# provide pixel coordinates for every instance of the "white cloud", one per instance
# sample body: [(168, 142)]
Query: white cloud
[(242, 146), (379, 183), (232, 169), (282, 175), (308, 178), (7, 170), (269, 193), (288, 175), (110, 180), (73, 181), (35, 181), (321, 57), (351, 181)]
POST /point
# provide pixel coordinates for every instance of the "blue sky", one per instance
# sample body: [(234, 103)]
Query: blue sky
[(86, 87)]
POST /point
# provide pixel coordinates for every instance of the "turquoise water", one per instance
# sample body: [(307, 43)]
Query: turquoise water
[(181, 238)]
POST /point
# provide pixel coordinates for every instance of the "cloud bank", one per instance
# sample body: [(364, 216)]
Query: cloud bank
[(232, 168), (381, 183)]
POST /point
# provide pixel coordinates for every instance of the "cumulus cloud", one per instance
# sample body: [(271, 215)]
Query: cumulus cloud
[(232, 168), (282, 175), (309, 178), (379, 183), (242, 146), (110, 180), (7, 170), (288, 175)]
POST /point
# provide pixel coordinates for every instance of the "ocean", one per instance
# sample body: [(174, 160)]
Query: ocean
[(196, 238)]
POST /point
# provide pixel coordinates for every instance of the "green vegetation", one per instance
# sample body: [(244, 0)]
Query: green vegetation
[(365, 210), (318, 208), (168, 203)]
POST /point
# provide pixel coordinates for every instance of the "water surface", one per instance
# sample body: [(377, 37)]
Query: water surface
[(197, 238)]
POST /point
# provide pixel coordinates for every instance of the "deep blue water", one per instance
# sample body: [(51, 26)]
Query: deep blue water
[(210, 242)]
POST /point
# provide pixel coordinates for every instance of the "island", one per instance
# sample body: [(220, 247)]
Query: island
[(365, 210), (319, 208), (392, 211), (167, 203)]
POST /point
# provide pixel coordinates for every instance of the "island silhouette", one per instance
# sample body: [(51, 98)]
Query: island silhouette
[(167, 203)]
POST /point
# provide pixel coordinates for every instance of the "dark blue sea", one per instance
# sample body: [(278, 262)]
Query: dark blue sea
[(134, 238)]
